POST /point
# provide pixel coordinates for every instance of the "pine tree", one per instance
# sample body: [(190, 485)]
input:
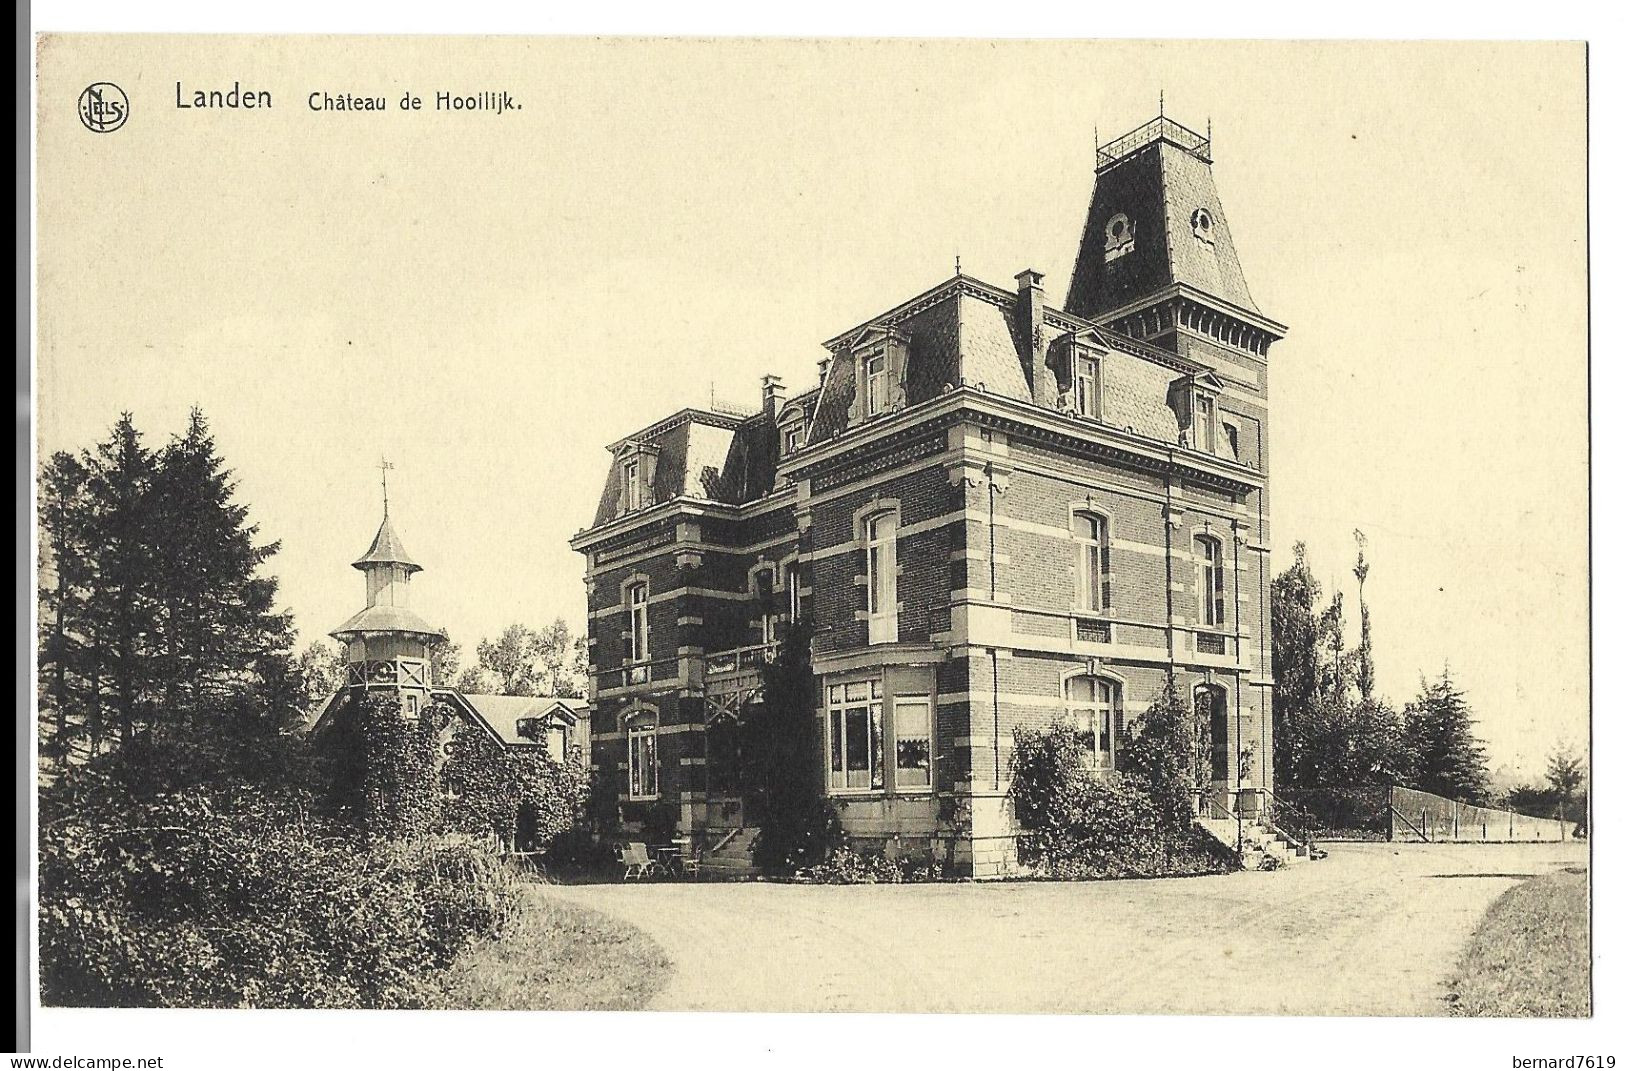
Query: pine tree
[(218, 632), (120, 604), (63, 585), (1449, 758)]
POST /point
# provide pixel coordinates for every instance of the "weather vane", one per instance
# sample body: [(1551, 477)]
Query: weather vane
[(383, 471)]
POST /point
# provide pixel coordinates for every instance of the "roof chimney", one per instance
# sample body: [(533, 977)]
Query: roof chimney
[(823, 369), (772, 394), (1029, 319)]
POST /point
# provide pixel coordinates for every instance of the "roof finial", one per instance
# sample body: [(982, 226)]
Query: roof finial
[(956, 264), (1159, 102), (383, 471)]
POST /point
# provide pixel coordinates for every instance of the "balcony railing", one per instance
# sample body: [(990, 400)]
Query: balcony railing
[(740, 659), (1160, 128), (636, 673)]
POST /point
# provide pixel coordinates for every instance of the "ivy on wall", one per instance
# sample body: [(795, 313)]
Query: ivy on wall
[(525, 798)]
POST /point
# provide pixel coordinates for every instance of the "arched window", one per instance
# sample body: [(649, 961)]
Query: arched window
[(1092, 705), (1210, 581), (1213, 717), (880, 533), (642, 760), (1089, 532)]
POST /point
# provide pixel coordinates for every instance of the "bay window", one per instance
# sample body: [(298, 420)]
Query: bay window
[(855, 749), (911, 735)]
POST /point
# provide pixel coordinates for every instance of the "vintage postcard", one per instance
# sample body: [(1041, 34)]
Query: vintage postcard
[(813, 525)]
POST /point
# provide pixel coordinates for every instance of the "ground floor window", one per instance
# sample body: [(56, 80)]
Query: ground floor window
[(911, 731), (1091, 703), (642, 764), (855, 736)]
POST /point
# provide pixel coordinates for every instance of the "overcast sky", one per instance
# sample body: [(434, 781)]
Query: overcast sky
[(490, 301)]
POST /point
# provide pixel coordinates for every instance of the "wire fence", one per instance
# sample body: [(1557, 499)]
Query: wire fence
[(1407, 814)]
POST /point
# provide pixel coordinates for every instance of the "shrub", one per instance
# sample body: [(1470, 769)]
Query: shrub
[(190, 874), (847, 865), (1083, 823)]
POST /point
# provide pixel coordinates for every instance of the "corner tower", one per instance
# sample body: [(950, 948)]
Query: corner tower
[(1156, 260), (387, 646)]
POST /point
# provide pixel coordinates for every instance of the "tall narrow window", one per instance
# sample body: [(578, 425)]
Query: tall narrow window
[(637, 597), (642, 761), (632, 493), (1202, 424), (1089, 387), (854, 737), (762, 592), (881, 531), (875, 383), (1210, 580), (1091, 704), (792, 581), (1089, 532), (911, 732)]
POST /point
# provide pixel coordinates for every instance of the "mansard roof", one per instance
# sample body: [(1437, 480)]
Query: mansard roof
[(961, 333), (1160, 180)]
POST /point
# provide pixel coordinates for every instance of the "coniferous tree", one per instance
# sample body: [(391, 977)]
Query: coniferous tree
[(1295, 646), (217, 624), (63, 583), (1449, 758), (120, 604), (1365, 668)]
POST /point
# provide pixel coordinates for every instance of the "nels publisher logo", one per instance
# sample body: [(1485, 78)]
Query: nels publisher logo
[(103, 107)]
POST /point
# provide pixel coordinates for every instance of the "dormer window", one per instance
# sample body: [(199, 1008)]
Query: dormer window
[(1202, 424), (1197, 399), (631, 486), (875, 382), (634, 474), (1119, 237), (1202, 226), (1087, 386)]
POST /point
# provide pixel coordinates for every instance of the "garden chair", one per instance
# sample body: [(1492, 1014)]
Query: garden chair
[(635, 857)]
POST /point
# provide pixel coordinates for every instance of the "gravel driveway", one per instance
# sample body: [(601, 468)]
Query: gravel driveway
[(1372, 930)]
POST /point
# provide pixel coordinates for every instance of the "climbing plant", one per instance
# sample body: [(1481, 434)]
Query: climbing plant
[(512, 794)]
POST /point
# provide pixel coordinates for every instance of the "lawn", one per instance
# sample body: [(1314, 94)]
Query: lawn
[(558, 956), (1530, 956)]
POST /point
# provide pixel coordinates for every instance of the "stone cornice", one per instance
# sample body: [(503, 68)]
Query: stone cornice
[(676, 508), (1007, 414)]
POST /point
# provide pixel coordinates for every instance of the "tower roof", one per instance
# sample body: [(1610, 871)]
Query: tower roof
[(387, 549), (1155, 222), (377, 620)]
